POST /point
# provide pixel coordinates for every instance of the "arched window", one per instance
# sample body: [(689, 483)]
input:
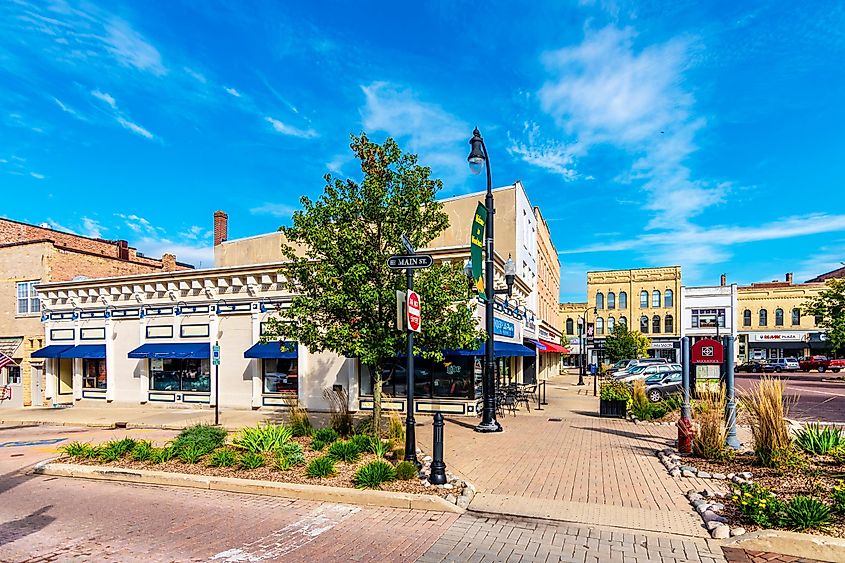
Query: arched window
[(764, 317), (599, 300), (655, 324), (669, 324), (623, 300), (611, 301), (655, 299), (644, 299), (570, 326), (796, 316), (599, 325), (746, 317), (611, 324), (668, 299), (623, 321), (778, 317), (644, 324)]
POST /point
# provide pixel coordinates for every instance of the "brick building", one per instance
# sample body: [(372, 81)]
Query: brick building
[(31, 255)]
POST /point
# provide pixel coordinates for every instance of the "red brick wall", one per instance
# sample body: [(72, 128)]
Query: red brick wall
[(64, 265)]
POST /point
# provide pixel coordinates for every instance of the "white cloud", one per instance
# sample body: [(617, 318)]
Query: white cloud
[(105, 97), (37, 175), (92, 228), (69, 110), (140, 225), (130, 48), (274, 209), (196, 232), (232, 91), (289, 130), (134, 127), (56, 226), (201, 255), (552, 156)]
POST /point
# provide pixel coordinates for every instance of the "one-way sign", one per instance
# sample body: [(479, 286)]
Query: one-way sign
[(413, 261)]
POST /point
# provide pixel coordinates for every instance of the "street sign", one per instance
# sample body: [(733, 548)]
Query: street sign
[(412, 261), (215, 355), (413, 311)]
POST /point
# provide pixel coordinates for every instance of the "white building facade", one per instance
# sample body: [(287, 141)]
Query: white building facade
[(709, 312)]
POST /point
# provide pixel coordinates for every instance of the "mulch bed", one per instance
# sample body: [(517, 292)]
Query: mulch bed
[(817, 480), (343, 478)]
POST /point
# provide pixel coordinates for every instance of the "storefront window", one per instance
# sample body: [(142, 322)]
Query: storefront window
[(94, 374), (280, 375), (450, 378), (179, 374), (13, 375)]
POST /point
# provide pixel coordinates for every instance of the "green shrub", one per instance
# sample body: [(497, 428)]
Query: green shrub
[(116, 449), (380, 448), (372, 475), (223, 457), (281, 462), (818, 440), (613, 390), (320, 467), (289, 457), (806, 513), (837, 498), (362, 442), (162, 455), (317, 445), (142, 451), (191, 453), (788, 460), (398, 453), (395, 427), (640, 406), (406, 470), (838, 454), (758, 504), (291, 448), (78, 450), (251, 460), (326, 435), (709, 441), (205, 437), (268, 438), (345, 451), (299, 423), (296, 458)]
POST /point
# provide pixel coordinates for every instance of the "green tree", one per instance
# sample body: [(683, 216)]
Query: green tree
[(623, 344), (829, 307), (336, 266)]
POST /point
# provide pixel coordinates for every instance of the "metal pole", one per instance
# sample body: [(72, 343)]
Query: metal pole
[(438, 467), (488, 418), (410, 423), (216, 394), (731, 439), (582, 328), (686, 410)]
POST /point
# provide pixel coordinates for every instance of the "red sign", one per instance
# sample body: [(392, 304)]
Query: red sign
[(707, 351), (414, 313)]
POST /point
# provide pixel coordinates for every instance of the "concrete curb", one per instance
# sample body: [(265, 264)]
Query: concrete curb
[(793, 544), (317, 493)]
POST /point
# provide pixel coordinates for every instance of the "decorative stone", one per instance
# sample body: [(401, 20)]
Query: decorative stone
[(708, 493), (717, 507), (731, 475), (426, 484), (463, 501), (703, 475), (687, 473), (712, 525), (675, 472), (451, 498), (710, 516), (737, 532), (448, 486), (719, 476), (745, 475), (694, 497), (721, 532), (427, 459), (702, 508)]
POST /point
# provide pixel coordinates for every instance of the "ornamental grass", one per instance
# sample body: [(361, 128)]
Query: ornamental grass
[(709, 440), (768, 409)]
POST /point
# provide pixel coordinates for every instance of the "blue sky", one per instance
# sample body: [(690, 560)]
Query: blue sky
[(649, 133)]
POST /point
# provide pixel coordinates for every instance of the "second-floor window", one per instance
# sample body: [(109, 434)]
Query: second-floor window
[(623, 321), (28, 303), (668, 298), (796, 316), (655, 324), (599, 325), (669, 324), (611, 323), (570, 327), (655, 299), (611, 300), (778, 317), (746, 317), (644, 299), (764, 317), (623, 300), (599, 300)]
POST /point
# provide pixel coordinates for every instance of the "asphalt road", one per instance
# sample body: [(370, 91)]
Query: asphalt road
[(815, 399)]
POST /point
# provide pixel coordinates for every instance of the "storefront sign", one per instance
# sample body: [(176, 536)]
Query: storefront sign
[(476, 246), (777, 336), (707, 351), (215, 355), (156, 364), (662, 345), (503, 327)]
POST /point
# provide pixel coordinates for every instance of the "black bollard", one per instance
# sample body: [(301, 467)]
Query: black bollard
[(438, 468)]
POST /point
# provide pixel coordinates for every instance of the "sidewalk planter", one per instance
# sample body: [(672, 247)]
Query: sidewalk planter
[(613, 408)]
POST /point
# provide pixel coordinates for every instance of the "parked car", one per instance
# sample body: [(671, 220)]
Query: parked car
[(753, 366), (836, 365), (622, 365), (814, 363), (783, 364), (662, 385), (645, 371), (635, 363)]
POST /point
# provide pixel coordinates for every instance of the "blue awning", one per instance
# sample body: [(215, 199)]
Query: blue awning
[(275, 349), (85, 351), (537, 344), (172, 350), (500, 350), (51, 351)]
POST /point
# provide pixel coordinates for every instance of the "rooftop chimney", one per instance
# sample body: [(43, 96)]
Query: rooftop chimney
[(788, 277), (221, 227), (168, 263), (724, 280), (122, 250)]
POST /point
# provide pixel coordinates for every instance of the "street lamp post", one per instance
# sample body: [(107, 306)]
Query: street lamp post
[(479, 159), (583, 368)]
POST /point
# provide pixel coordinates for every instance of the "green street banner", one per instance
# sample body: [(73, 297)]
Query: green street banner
[(476, 244)]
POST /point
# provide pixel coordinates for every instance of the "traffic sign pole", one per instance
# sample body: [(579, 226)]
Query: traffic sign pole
[(215, 358), (410, 422)]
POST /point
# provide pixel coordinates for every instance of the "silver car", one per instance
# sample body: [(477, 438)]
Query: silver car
[(644, 371)]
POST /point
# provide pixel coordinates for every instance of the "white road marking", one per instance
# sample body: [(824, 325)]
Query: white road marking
[(291, 537), (815, 391)]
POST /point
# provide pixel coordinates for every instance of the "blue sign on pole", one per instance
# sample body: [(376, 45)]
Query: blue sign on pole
[(503, 327)]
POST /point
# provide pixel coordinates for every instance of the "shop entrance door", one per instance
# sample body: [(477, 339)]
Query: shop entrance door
[(36, 373), (529, 369)]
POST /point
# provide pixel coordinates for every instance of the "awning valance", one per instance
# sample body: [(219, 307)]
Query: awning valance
[(275, 349), (51, 351), (90, 351), (551, 347), (172, 350), (500, 350)]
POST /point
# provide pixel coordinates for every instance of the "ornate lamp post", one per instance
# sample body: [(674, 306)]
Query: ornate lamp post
[(479, 160)]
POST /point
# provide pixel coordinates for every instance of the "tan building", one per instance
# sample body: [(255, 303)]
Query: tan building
[(571, 321), (31, 255), (772, 322), (548, 300), (645, 299)]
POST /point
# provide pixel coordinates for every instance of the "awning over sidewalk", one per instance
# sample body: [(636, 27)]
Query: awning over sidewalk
[(90, 351), (51, 351), (500, 350), (536, 343), (275, 349), (551, 347), (172, 350)]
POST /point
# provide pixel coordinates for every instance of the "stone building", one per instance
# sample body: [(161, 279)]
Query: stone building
[(572, 324), (31, 255)]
